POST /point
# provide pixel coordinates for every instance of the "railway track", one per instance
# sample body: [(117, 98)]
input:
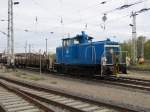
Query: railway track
[(133, 83), (12, 100), (129, 82), (61, 99), (136, 81)]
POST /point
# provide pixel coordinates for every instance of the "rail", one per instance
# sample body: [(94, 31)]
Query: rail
[(62, 99)]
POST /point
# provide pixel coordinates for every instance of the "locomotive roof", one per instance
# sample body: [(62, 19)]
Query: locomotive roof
[(84, 39), (79, 36)]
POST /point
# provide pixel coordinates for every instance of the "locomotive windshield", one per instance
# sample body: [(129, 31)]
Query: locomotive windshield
[(112, 54), (66, 42), (70, 41), (78, 39)]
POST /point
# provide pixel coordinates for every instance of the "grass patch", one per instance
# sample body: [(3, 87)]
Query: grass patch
[(36, 78), (18, 74), (145, 66), (53, 82), (24, 73), (28, 76)]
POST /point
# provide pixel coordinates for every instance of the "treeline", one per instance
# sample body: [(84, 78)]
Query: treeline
[(142, 42)]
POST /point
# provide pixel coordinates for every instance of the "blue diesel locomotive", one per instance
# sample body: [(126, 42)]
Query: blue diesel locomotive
[(79, 55)]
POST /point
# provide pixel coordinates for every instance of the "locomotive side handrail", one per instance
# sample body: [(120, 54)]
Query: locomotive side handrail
[(104, 60)]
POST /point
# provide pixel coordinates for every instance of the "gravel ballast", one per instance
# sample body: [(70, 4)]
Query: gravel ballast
[(136, 99)]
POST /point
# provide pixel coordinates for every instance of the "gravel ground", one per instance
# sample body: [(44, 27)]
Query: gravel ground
[(138, 74), (107, 93)]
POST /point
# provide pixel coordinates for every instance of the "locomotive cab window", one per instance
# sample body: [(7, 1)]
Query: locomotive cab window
[(76, 41), (66, 42)]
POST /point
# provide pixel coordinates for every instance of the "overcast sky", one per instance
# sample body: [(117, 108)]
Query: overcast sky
[(75, 15)]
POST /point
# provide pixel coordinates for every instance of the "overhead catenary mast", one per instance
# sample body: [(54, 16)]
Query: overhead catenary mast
[(12, 35), (26, 45), (29, 48), (10, 39), (8, 35), (134, 39), (46, 47), (134, 36)]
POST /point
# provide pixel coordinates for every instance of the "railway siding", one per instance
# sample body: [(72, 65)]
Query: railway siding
[(123, 97), (74, 104), (10, 102)]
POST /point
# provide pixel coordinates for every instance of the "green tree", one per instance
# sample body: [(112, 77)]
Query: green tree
[(126, 46), (140, 46), (147, 49)]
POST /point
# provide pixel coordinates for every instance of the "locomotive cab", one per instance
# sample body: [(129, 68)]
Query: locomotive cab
[(113, 60)]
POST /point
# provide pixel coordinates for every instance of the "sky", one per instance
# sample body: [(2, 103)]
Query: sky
[(36, 20)]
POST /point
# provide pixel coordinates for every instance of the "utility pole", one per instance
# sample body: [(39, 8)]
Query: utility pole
[(46, 46), (40, 62), (12, 35), (8, 35), (134, 38), (29, 48), (10, 41), (134, 35), (26, 44), (142, 51)]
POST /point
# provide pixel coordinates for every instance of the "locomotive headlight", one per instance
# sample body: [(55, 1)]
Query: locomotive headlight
[(104, 60), (111, 51)]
